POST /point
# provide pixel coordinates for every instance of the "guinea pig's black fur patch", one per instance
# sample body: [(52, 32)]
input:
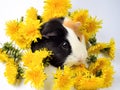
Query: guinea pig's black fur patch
[(54, 39)]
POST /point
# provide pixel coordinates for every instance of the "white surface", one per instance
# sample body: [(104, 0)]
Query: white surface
[(107, 10)]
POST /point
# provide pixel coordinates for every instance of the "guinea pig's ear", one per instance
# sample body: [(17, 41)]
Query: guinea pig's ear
[(46, 31), (74, 26), (71, 24)]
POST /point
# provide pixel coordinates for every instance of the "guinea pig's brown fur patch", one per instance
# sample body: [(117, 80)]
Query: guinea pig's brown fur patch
[(74, 26)]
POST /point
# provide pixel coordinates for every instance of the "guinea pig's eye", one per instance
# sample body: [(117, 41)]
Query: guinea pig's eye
[(65, 45), (79, 38)]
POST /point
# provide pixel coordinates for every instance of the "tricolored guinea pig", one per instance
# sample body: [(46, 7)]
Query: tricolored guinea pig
[(60, 35)]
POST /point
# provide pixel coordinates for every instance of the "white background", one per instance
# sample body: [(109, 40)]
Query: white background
[(107, 10)]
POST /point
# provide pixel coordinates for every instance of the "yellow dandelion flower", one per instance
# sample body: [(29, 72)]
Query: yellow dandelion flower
[(111, 52), (11, 71), (89, 25), (12, 28), (96, 48), (106, 68), (80, 16), (92, 25), (27, 58), (99, 64), (3, 56), (35, 76), (30, 30), (86, 34), (21, 41), (80, 69), (85, 80), (108, 76), (55, 8), (63, 79), (31, 26), (23, 33), (31, 13), (88, 83), (44, 53), (27, 33), (32, 59)]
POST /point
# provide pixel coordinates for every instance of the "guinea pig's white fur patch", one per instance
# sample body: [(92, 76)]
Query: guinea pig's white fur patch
[(79, 52)]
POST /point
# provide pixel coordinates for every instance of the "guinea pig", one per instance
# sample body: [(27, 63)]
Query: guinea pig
[(60, 35)]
